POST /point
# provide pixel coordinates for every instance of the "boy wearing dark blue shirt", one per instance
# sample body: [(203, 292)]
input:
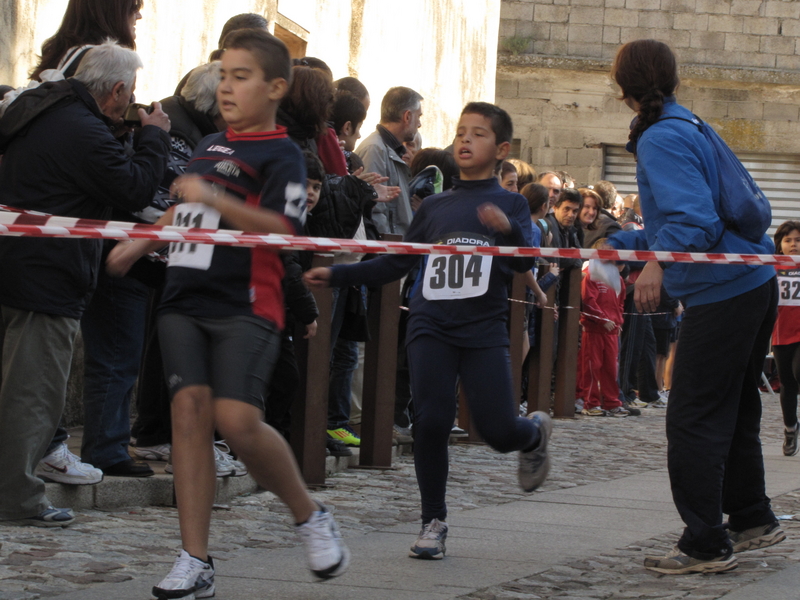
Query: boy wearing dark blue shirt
[(222, 312), (458, 323)]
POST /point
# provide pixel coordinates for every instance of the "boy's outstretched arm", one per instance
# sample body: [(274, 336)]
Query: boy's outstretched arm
[(124, 254), (317, 278), (192, 188)]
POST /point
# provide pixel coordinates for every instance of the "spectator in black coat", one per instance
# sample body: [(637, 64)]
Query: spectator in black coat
[(68, 163)]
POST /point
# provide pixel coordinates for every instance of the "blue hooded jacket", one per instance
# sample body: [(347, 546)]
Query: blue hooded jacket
[(679, 193)]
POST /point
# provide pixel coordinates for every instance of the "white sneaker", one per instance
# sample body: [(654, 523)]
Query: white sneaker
[(327, 555), (159, 452), (224, 463), (430, 543), (227, 466), (190, 578), (62, 466)]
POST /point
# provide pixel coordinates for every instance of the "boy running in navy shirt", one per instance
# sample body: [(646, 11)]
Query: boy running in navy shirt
[(222, 312), (457, 328)]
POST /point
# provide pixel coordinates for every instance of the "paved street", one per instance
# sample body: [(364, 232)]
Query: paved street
[(582, 536)]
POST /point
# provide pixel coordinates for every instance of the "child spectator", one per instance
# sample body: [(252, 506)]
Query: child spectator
[(222, 310), (537, 196), (508, 176), (458, 321), (602, 299), (786, 335), (347, 117)]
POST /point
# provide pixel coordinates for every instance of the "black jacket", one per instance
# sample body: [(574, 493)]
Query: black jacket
[(61, 158), (564, 238)]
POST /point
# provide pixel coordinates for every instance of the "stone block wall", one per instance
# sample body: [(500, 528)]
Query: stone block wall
[(739, 61), (733, 33)]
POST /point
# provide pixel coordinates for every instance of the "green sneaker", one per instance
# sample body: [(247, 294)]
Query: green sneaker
[(678, 563), (345, 435)]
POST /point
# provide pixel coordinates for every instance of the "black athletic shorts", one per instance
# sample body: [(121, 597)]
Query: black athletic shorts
[(234, 356)]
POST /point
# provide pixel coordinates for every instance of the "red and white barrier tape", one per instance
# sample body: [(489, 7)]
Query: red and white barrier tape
[(38, 225)]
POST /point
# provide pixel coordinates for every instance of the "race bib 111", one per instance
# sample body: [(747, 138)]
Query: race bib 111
[(186, 254)]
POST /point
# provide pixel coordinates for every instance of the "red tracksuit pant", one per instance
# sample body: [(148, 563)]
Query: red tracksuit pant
[(597, 370)]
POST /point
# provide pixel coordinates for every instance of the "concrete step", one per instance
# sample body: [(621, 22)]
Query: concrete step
[(158, 490)]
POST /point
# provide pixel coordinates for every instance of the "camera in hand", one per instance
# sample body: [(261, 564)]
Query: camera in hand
[(131, 116)]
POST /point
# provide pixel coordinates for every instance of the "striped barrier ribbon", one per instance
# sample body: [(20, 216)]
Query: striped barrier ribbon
[(26, 223)]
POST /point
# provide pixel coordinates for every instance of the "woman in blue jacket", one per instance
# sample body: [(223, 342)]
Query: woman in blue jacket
[(714, 412)]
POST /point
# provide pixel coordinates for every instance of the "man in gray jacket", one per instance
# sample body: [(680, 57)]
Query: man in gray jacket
[(382, 152)]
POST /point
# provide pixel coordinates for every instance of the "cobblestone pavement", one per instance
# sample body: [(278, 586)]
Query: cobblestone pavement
[(114, 546)]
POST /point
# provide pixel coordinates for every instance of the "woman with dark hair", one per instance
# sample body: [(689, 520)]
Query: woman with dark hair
[(596, 222), (90, 22), (714, 412), (786, 335), (305, 112)]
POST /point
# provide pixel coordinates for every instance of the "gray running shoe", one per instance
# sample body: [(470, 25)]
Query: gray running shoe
[(619, 412), (49, 517), (534, 465), (790, 440), (430, 543), (757, 537), (678, 563)]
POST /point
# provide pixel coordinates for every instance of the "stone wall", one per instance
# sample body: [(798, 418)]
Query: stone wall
[(738, 71)]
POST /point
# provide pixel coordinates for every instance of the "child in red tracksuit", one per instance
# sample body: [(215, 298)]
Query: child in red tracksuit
[(601, 318)]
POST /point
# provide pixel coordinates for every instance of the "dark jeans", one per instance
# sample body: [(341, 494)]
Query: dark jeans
[(282, 388), (637, 357), (787, 359), (485, 375), (113, 336), (714, 418), (344, 361), (60, 437), (153, 424)]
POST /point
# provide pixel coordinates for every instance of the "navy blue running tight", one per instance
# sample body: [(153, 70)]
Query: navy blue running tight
[(485, 375)]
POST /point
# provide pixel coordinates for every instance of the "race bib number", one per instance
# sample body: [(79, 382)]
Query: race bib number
[(186, 254), (455, 277), (789, 289)]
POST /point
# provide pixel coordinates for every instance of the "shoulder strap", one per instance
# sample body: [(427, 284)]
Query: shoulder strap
[(71, 55), (696, 121)]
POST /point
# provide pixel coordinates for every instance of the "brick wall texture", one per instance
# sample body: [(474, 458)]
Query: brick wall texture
[(726, 33)]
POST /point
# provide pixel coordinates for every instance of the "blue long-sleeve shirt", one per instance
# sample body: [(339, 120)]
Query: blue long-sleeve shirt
[(679, 193), (468, 318)]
